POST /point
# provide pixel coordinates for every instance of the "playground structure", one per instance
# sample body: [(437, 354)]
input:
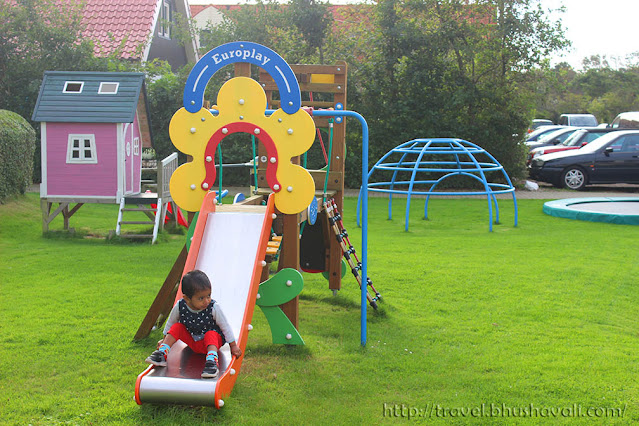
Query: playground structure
[(285, 134), (429, 162), (94, 126)]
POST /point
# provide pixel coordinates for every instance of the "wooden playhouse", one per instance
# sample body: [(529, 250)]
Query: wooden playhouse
[(93, 128)]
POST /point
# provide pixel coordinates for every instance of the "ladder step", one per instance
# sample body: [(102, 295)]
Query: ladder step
[(146, 209), (136, 222)]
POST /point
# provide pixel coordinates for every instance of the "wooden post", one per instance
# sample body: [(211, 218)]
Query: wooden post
[(337, 165), (65, 216), (45, 206), (242, 69), (66, 213), (290, 258)]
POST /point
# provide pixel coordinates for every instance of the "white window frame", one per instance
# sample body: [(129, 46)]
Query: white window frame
[(164, 29), (82, 138), (101, 90), (136, 146), (66, 85)]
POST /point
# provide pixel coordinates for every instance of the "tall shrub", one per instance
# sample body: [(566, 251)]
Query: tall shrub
[(453, 68), (17, 145)]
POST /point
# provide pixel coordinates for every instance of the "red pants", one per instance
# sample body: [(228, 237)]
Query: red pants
[(179, 331)]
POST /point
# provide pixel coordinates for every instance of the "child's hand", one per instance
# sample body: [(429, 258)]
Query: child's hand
[(235, 350)]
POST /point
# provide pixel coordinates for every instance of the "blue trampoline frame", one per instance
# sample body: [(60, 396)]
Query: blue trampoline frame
[(467, 165)]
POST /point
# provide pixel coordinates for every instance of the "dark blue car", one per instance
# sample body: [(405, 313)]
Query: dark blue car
[(613, 158)]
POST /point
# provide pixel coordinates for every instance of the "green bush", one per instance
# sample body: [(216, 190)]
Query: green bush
[(17, 145)]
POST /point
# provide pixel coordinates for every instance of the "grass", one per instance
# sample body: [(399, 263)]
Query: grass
[(542, 316)]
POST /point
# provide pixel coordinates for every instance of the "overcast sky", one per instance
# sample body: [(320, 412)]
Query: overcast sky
[(603, 27)]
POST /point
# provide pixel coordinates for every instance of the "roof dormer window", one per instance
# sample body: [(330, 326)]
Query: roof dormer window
[(108, 88), (164, 29), (73, 86)]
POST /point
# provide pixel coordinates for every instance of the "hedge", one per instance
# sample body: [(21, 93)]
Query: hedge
[(17, 146)]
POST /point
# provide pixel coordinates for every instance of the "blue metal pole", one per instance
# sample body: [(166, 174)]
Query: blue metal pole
[(364, 193)]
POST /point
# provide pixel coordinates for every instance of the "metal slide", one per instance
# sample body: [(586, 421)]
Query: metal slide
[(229, 245)]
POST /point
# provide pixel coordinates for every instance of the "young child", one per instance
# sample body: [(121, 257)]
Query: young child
[(198, 321)]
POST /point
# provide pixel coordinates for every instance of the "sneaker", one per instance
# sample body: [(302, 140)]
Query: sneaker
[(157, 359), (210, 370)]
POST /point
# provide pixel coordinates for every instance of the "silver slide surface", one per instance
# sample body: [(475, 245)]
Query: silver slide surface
[(229, 248)]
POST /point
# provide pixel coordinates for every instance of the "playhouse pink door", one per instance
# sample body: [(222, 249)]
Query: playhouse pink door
[(129, 162)]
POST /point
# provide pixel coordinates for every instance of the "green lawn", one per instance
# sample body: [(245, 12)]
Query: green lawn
[(542, 317)]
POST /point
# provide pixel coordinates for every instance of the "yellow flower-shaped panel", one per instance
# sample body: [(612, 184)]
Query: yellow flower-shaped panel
[(241, 105)]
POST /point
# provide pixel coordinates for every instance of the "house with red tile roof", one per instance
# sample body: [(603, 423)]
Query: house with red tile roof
[(140, 30)]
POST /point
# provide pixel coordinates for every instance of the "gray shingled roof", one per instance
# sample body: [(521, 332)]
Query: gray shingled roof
[(88, 106)]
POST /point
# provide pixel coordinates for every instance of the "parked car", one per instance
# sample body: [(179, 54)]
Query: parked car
[(613, 158), (552, 138), (581, 120), (576, 140), (626, 120), (539, 122), (540, 131)]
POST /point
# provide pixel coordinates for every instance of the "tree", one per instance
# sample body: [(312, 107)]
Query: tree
[(164, 91), (301, 31), (453, 68), (35, 36), (313, 20), (262, 22), (421, 68), (599, 89)]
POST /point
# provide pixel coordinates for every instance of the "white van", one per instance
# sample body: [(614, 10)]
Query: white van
[(626, 120), (578, 120)]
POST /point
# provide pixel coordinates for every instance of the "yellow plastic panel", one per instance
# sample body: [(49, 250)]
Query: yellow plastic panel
[(242, 99), (323, 78)]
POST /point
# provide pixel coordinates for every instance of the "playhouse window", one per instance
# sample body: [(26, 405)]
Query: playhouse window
[(136, 146), (73, 86), (108, 88), (164, 29), (81, 149)]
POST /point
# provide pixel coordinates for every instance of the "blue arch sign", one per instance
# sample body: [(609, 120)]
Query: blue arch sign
[(242, 51)]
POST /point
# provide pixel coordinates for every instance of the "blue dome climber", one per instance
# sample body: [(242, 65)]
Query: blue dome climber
[(418, 166)]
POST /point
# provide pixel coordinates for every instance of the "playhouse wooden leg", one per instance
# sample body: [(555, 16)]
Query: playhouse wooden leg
[(47, 216), (45, 206), (65, 216)]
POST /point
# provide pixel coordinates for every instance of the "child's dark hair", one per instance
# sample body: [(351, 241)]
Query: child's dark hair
[(193, 281)]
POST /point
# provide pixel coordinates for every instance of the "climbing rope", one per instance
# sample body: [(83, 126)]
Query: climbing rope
[(335, 221)]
